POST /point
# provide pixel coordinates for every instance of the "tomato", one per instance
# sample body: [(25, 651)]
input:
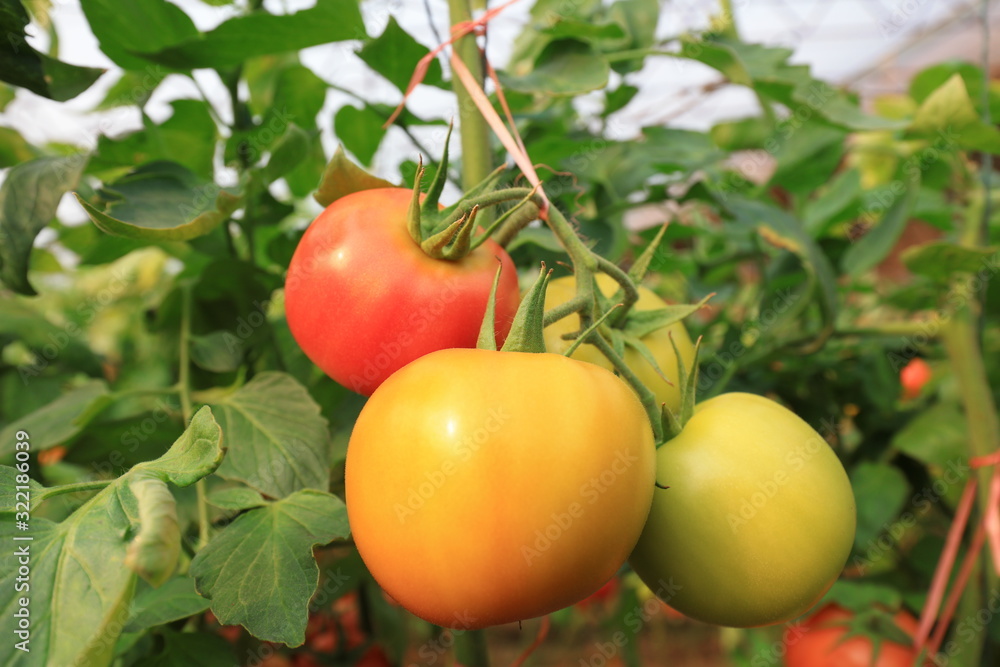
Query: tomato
[(758, 520), (821, 641), (490, 487), (914, 376), (363, 300), (563, 289), (601, 595), (374, 657)]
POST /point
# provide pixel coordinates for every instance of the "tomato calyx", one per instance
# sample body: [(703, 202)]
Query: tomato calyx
[(525, 333), (673, 423)]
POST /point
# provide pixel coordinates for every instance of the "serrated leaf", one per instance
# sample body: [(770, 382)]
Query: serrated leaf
[(260, 33), (236, 499), (394, 55), (174, 600), (22, 65), (80, 584), (161, 201), (8, 489), (565, 67), (941, 260), (641, 323), (277, 440), (874, 246), (343, 177), (29, 197), (59, 421), (260, 571)]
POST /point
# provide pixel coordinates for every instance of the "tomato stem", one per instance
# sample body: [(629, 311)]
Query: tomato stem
[(184, 390)]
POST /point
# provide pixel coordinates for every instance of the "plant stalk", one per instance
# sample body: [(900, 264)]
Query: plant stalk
[(477, 162)]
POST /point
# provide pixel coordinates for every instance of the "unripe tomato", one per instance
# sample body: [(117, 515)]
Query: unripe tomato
[(490, 487), (363, 300), (758, 520), (821, 641), (914, 376), (563, 289)]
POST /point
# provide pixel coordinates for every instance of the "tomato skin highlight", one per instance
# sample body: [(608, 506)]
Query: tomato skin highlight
[(563, 289), (759, 518), (914, 376), (820, 642), (489, 487), (363, 300)]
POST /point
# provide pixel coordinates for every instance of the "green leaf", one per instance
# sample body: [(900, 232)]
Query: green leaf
[(153, 553), (618, 98), (217, 352), (833, 202), (8, 489), (135, 87), (880, 491), (937, 436), (291, 149), (161, 201), (278, 441), (394, 55), (299, 95), (188, 138), (20, 322), (873, 247), (192, 649), (58, 422), (261, 33), (260, 571), (126, 27), (808, 157), (236, 499), (641, 323), (174, 600), (949, 115), (23, 66), (941, 260), (565, 67), (196, 454), (360, 130), (743, 134), (13, 148), (29, 197), (342, 177), (80, 584)]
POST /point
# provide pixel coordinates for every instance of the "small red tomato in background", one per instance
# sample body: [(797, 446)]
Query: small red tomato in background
[(363, 299), (914, 376), (822, 641), (374, 657)]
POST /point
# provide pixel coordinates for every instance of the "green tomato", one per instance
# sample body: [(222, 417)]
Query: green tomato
[(758, 519), (563, 289)]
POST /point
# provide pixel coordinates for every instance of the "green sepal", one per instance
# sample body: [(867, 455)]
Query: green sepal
[(636, 344), (523, 209), (342, 177), (591, 330), (526, 331), (430, 204), (673, 424), (413, 212), (641, 323), (641, 265), (488, 331), (453, 242)]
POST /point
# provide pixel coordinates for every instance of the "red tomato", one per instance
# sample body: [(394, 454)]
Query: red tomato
[(914, 376), (820, 642), (363, 300), (374, 657)]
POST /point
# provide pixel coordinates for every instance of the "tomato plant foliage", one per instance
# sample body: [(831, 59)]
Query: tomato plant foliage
[(166, 289)]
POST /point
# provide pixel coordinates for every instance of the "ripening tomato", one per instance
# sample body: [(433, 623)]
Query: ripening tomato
[(758, 520), (363, 300), (490, 487), (822, 641), (914, 376), (563, 289)]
